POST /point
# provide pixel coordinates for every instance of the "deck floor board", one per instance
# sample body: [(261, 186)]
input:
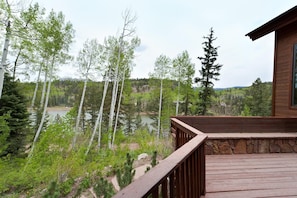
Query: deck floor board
[(251, 175)]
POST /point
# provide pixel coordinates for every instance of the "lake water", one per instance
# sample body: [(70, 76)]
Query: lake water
[(62, 112)]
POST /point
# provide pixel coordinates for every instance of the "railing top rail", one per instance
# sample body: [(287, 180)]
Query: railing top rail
[(186, 128), (156, 175)]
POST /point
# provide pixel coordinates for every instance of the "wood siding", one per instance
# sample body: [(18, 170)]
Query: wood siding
[(285, 40)]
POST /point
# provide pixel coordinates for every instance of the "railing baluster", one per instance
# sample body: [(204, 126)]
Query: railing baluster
[(203, 176), (165, 188), (172, 187), (184, 179), (192, 176), (196, 174), (155, 193), (182, 174)]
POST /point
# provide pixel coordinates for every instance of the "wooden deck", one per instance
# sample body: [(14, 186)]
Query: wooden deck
[(251, 175)]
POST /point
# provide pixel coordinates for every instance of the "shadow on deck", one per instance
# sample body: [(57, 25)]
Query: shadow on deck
[(186, 174)]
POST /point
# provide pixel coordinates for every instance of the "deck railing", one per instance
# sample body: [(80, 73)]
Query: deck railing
[(182, 174), (230, 124)]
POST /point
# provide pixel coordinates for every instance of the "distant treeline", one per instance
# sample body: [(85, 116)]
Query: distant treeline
[(252, 100)]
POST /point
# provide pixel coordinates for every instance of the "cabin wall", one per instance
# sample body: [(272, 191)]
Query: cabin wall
[(285, 40)]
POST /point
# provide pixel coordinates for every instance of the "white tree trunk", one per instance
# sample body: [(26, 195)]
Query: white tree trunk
[(177, 101), (43, 89), (4, 57), (101, 113), (126, 32), (79, 112), (160, 109), (112, 108), (99, 118), (36, 89), (45, 103), (118, 110), (114, 93)]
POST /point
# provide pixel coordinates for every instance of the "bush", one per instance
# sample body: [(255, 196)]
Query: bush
[(84, 184), (66, 187), (125, 174), (53, 191), (103, 188)]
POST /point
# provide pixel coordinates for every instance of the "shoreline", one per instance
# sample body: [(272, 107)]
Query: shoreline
[(58, 108), (63, 108)]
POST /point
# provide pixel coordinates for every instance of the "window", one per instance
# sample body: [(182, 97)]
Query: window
[(294, 84)]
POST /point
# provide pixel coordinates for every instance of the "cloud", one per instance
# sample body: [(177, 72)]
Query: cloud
[(171, 26)]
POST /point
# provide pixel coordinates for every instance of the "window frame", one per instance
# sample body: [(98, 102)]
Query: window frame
[(294, 77)]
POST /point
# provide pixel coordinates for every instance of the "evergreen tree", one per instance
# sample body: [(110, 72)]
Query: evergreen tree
[(258, 98), (4, 133), (13, 103), (209, 72), (129, 109), (126, 174)]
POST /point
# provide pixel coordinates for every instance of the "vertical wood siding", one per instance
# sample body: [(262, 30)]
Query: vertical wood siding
[(285, 40)]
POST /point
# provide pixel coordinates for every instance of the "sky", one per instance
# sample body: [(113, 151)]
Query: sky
[(169, 27)]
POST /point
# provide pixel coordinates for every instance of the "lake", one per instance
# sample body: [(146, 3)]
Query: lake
[(61, 111)]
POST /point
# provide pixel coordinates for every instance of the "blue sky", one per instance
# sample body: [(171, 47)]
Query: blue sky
[(171, 26)]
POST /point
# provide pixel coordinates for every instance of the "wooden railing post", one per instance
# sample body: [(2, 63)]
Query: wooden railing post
[(182, 174)]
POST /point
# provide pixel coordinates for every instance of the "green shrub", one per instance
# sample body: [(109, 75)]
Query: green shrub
[(66, 187), (103, 188), (126, 173), (53, 191), (84, 184)]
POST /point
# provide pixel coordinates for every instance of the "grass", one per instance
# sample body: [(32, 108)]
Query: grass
[(54, 160)]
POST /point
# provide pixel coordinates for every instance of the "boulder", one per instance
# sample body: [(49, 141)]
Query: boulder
[(142, 156)]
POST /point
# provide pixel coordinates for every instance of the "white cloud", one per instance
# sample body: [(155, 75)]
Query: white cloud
[(170, 26)]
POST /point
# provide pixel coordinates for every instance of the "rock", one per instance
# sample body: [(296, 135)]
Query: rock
[(225, 148), (274, 148), (292, 142), (249, 148), (142, 156), (286, 148), (295, 148), (263, 146), (208, 148), (240, 147)]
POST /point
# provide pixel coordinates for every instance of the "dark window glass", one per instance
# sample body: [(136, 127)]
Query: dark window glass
[(294, 84)]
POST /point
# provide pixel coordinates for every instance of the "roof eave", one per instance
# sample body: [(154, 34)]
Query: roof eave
[(278, 22)]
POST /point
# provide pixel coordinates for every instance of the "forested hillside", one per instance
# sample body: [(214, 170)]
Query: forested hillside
[(251, 100)]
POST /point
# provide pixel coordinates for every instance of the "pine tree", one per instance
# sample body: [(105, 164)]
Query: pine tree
[(209, 72), (4, 133), (126, 174), (13, 103), (258, 98)]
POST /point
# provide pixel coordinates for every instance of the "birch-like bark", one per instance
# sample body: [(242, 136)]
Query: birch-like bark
[(15, 63), (79, 113), (43, 89), (101, 113), (4, 57), (126, 32), (45, 104), (177, 101), (99, 119), (36, 89), (160, 109), (118, 110), (112, 107)]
